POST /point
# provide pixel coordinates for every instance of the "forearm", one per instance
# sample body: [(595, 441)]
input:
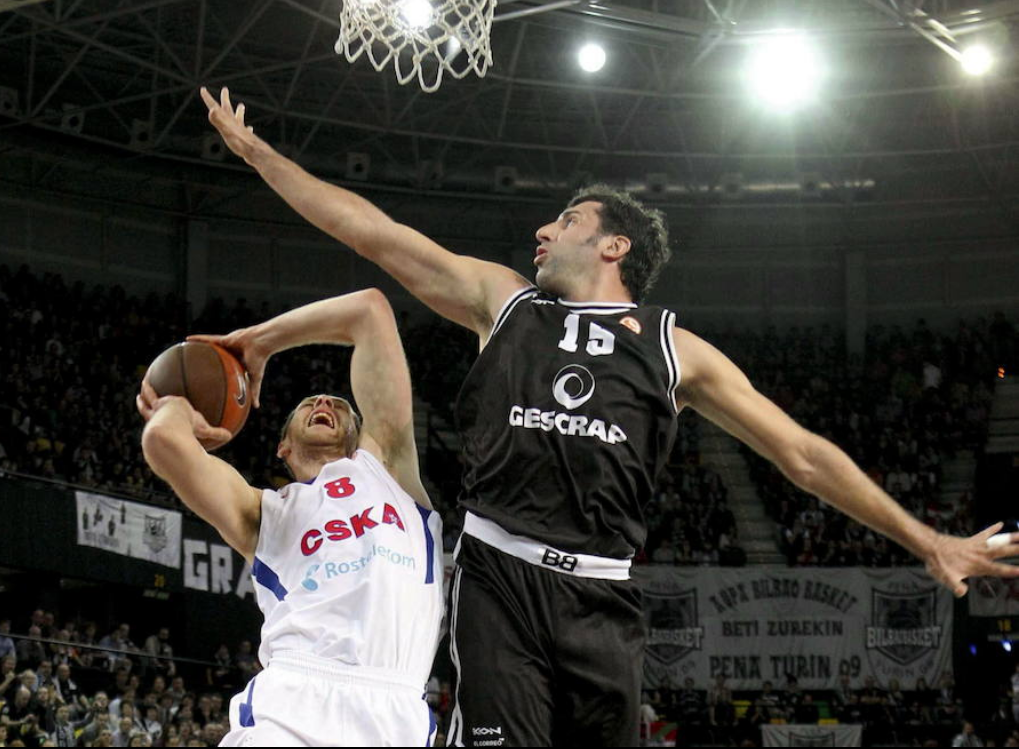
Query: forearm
[(341, 320), (340, 213), (835, 478)]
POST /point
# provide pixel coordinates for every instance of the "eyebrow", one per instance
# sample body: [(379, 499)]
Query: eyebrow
[(569, 212)]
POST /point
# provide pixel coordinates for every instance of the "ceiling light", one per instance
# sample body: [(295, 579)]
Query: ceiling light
[(977, 59), (417, 13), (591, 58), (784, 71)]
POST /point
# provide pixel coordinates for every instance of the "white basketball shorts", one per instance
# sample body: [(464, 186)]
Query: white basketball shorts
[(301, 700)]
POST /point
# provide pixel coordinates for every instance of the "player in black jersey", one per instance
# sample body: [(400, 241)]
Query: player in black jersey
[(566, 418)]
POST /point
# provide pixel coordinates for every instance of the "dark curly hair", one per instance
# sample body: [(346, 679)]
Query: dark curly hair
[(622, 214)]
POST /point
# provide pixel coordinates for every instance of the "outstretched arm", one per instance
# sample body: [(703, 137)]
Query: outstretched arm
[(463, 289), (714, 387), (378, 369), (173, 447)]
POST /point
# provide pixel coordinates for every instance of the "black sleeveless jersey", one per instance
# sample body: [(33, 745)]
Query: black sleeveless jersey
[(566, 419)]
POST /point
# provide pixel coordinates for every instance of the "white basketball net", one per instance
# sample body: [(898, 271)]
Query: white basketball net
[(422, 38)]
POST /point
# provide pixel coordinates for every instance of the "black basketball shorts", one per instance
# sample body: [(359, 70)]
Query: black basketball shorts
[(542, 657)]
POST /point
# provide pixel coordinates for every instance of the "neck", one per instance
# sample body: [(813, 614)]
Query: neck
[(307, 462), (602, 289)]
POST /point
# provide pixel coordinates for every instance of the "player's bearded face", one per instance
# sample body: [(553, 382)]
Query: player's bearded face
[(568, 249)]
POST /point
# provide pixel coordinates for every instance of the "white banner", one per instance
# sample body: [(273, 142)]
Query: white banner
[(129, 528), (757, 624), (794, 735)]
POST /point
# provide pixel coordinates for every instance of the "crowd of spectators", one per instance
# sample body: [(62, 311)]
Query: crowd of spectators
[(70, 685), (890, 715), (913, 401), (67, 686), (689, 520)]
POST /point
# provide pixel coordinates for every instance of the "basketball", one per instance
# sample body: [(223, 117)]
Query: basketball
[(210, 377)]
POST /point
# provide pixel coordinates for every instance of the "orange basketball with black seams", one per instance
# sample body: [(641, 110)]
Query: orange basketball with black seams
[(210, 377)]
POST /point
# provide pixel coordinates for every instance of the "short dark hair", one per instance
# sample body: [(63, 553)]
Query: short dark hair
[(622, 214)]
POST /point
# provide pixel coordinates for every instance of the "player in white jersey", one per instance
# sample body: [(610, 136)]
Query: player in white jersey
[(347, 560)]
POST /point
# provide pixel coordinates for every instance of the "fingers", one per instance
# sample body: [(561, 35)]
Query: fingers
[(239, 114), (206, 338), (149, 394), (256, 390), (986, 533), (1000, 569), (1001, 551), (213, 438), (210, 102), (224, 100)]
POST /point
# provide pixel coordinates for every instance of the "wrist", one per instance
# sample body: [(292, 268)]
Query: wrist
[(266, 339), (261, 156), (922, 540)]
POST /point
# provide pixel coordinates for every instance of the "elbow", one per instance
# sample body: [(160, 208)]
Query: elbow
[(158, 445), (799, 462), (376, 311)]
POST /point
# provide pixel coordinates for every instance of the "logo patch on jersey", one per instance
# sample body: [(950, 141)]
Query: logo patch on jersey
[(326, 571), (632, 323), (573, 386)]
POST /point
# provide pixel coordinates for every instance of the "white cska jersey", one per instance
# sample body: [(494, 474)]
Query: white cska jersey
[(348, 567)]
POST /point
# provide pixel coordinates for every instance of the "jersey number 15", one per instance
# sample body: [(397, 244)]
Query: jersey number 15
[(600, 342)]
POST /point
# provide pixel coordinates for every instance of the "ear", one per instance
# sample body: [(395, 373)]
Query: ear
[(617, 248), (283, 450)]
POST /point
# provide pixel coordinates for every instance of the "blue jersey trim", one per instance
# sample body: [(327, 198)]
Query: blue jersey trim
[(269, 579), (247, 713), (429, 544), (432, 725)]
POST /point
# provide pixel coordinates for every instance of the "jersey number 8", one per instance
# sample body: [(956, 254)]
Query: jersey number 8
[(340, 488)]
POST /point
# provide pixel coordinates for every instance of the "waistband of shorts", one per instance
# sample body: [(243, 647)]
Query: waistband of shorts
[(543, 555), (324, 668)]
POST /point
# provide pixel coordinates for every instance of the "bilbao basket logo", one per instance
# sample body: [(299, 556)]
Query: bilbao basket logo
[(904, 626), (573, 386), (155, 533), (673, 626)]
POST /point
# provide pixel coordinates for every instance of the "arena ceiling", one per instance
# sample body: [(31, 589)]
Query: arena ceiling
[(898, 124)]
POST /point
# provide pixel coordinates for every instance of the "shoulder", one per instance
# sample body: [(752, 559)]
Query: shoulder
[(398, 467), (699, 357), (518, 298)]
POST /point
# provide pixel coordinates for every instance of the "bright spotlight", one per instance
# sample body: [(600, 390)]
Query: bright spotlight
[(417, 13), (591, 58), (784, 71), (977, 60), (1007, 645)]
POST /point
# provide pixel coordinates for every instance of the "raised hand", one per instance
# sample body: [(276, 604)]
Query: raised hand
[(239, 138), (954, 559), (245, 344)]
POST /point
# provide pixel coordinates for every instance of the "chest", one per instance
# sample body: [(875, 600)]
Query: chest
[(345, 508)]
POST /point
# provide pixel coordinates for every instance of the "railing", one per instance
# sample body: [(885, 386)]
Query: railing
[(118, 651)]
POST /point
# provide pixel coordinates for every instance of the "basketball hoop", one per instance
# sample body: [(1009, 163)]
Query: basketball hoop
[(422, 38)]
